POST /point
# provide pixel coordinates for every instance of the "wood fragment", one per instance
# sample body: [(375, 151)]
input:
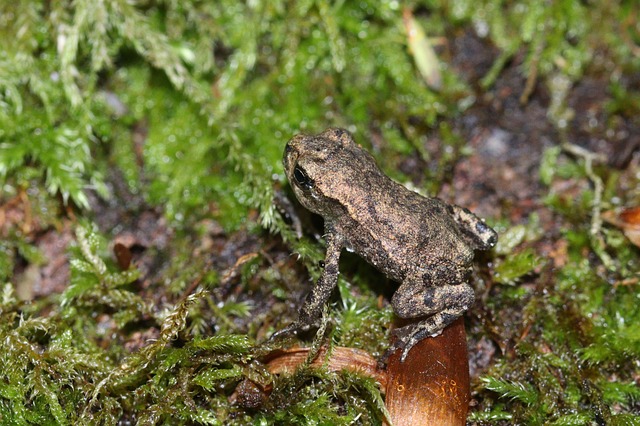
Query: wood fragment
[(341, 358), (431, 387)]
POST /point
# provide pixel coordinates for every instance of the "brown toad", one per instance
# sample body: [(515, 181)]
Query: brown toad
[(420, 242)]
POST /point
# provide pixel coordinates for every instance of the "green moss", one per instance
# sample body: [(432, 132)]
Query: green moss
[(515, 266), (553, 36), (577, 355), (320, 397)]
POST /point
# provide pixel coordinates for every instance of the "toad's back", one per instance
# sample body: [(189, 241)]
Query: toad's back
[(398, 230)]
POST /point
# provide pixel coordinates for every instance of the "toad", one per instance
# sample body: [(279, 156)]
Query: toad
[(423, 243)]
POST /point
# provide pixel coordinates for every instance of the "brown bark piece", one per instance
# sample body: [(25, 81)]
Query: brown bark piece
[(431, 387)]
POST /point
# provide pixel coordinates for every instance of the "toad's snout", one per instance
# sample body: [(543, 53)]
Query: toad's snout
[(291, 152)]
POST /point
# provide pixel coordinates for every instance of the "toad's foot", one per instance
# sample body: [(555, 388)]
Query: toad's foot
[(292, 330), (408, 336)]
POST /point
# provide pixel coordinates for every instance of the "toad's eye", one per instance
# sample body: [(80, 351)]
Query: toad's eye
[(302, 179)]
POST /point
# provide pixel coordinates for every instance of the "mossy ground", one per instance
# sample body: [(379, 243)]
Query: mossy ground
[(144, 256)]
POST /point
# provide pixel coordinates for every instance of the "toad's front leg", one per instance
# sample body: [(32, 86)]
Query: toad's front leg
[(310, 313)]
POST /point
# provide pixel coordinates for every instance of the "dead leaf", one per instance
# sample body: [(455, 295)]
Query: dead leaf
[(628, 220), (422, 51), (123, 255)]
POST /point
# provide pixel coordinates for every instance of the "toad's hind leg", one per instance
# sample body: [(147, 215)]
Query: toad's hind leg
[(440, 304)]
